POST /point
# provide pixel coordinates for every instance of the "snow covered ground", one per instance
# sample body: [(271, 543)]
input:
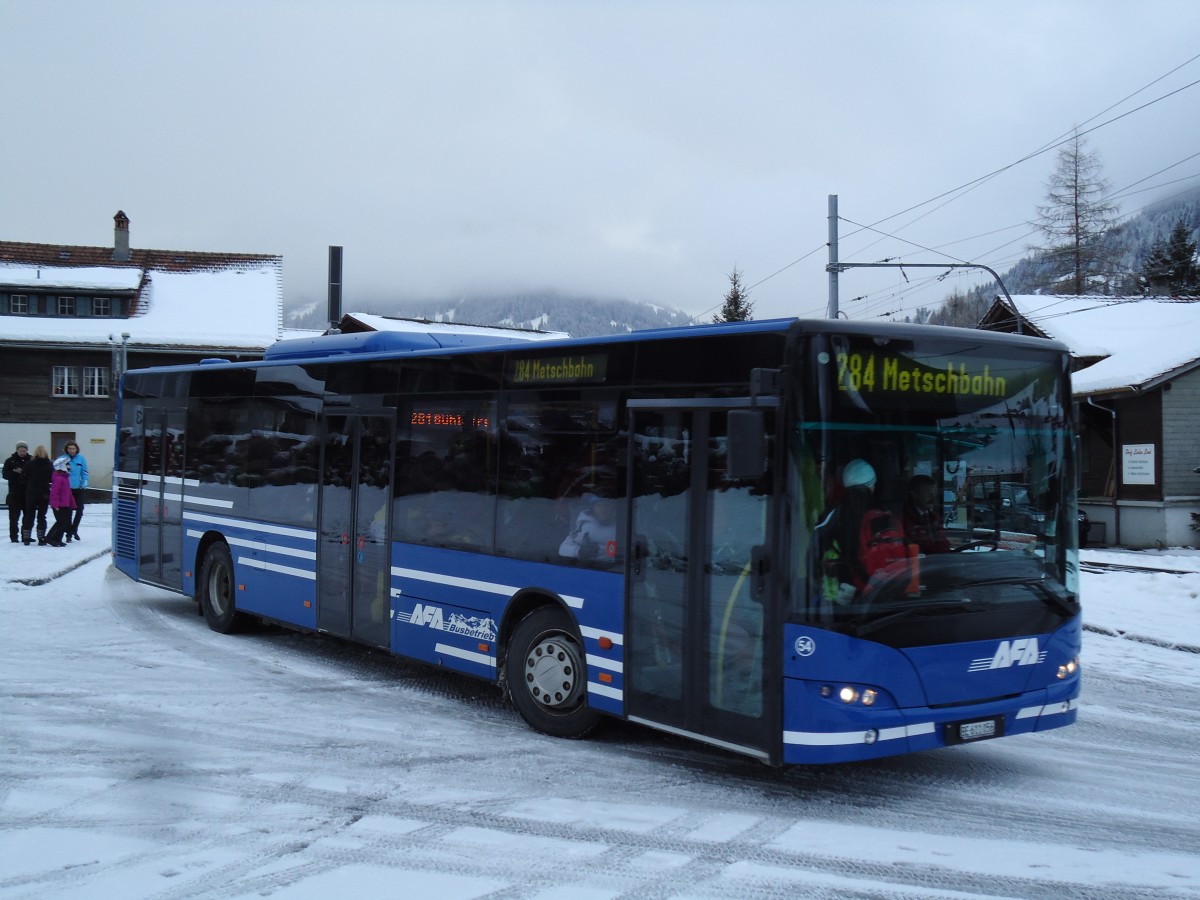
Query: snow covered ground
[(144, 756)]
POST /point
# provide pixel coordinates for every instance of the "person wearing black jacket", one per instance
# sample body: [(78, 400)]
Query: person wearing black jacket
[(37, 494), (15, 474)]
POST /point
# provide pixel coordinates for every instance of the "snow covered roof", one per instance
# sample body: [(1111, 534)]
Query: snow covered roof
[(1138, 340), (178, 299), (97, 278)]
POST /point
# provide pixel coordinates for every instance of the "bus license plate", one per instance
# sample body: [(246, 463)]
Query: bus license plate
[(965, 732)]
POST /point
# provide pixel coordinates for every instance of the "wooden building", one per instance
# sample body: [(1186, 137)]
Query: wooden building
[(1136, 387), (72, 318)]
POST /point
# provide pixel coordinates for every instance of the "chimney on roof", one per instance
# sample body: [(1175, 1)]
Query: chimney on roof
[(335, 286), (121, 237)]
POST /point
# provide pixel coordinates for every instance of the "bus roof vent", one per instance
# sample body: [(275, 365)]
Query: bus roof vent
[(350, 344), (383, 342), (214, 361)]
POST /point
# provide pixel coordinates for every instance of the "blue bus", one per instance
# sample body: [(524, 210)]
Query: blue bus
[(703, 530)]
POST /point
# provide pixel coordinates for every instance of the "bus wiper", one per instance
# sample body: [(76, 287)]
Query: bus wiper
[(1057, 600), (1049, 597), (915, 608)]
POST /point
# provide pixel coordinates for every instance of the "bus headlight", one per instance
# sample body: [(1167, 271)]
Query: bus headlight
[(851, 695), (1067, 669)]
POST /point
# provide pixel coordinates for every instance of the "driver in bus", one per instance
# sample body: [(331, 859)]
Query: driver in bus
[(922, 520)]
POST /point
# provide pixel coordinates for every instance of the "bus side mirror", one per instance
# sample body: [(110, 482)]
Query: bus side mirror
[(746, 445)]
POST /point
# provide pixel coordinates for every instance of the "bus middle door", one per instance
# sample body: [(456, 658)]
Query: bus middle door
[(354, 550)]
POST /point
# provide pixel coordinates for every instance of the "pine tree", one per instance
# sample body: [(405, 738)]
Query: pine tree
[(1171, 266), (1077, 215), (737, 306)]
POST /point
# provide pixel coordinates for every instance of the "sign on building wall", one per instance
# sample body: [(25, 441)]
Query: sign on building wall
[(1137, 464)]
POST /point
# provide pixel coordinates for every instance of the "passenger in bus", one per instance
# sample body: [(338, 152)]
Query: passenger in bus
[(922, 521), (857, 538), (594, 536)]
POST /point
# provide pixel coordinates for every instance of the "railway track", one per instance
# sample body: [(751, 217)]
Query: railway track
[(1098, 567)]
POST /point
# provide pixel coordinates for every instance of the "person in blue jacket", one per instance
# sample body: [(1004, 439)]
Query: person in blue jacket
[(78, 470)]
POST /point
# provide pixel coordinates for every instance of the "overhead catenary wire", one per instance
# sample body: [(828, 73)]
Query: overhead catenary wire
[(988, 256), (1054, 143)]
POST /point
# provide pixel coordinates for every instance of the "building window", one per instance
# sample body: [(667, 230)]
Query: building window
[(101, 306), (66, 381), (95, 381), (18, 305), (66, 306)]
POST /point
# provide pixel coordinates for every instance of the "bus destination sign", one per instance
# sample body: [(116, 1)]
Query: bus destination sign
[(584, 369), (874, 372)]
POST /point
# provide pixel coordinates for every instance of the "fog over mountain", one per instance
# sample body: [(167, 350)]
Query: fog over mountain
[(1127, 245), (578, 315)]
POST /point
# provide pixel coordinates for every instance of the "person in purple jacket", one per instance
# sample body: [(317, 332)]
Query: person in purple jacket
[(62, 501)]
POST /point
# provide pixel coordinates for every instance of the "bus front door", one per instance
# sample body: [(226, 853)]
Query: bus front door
[(353, 551), (698, 586), (160, 516)]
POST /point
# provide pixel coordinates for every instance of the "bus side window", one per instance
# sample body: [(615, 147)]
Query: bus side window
[(443, 488), (558, 458)]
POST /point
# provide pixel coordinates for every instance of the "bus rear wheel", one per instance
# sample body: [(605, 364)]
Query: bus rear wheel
[(547, 675), (215, 590)]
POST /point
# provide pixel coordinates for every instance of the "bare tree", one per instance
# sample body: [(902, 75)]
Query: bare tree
[(737, 306), (1077, 214)]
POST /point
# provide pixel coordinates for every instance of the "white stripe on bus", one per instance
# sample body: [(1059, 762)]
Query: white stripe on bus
[(154, 493), (259, 546), (472, 584), (207, 501), (597, 633), (275, 567), (469, 655), (839, 738), (604, 690), (158, 479), (1050, 709), (193, 516), (601, 662)]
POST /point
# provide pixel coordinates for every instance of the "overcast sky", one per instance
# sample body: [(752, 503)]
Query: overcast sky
[(623, 149)]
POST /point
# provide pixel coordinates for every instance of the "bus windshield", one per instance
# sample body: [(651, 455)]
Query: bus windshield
[(935, 480)]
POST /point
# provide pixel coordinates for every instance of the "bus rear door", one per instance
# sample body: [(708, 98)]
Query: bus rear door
[(160, 518)]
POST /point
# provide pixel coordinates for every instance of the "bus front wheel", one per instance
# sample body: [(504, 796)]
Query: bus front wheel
[(216, 590), (547, 675)]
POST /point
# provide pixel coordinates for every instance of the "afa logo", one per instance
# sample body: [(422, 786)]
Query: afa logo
[(426, 615), (429, 616), (1019, 652)]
